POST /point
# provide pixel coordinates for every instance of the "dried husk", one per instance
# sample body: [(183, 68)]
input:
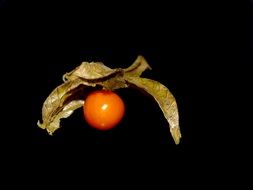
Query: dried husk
[(67, 97)]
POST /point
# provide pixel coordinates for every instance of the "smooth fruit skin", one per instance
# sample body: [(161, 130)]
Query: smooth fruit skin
[(103, 109)]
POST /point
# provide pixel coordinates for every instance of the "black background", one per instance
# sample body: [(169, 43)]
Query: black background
[(200, 50)]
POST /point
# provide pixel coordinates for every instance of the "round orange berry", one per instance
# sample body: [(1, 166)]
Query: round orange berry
[(103, 109)]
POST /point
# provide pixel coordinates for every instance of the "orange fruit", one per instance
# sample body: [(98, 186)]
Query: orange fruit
[(103, 109)]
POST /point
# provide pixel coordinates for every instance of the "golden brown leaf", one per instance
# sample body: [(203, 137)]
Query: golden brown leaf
[(165, 100), (60, 103), (136, 69), (89, 71), (68, 96)]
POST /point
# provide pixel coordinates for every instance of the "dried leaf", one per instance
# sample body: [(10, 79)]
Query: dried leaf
[(61, 103), (67, 110), (165, 100), (89, 71), (68, 97), (136, 69)]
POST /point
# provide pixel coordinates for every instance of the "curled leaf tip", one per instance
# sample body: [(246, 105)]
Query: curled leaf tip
[(40, 125), (176, 134)]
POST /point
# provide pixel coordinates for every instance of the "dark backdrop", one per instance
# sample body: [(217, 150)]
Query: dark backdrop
[(200, 50)]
